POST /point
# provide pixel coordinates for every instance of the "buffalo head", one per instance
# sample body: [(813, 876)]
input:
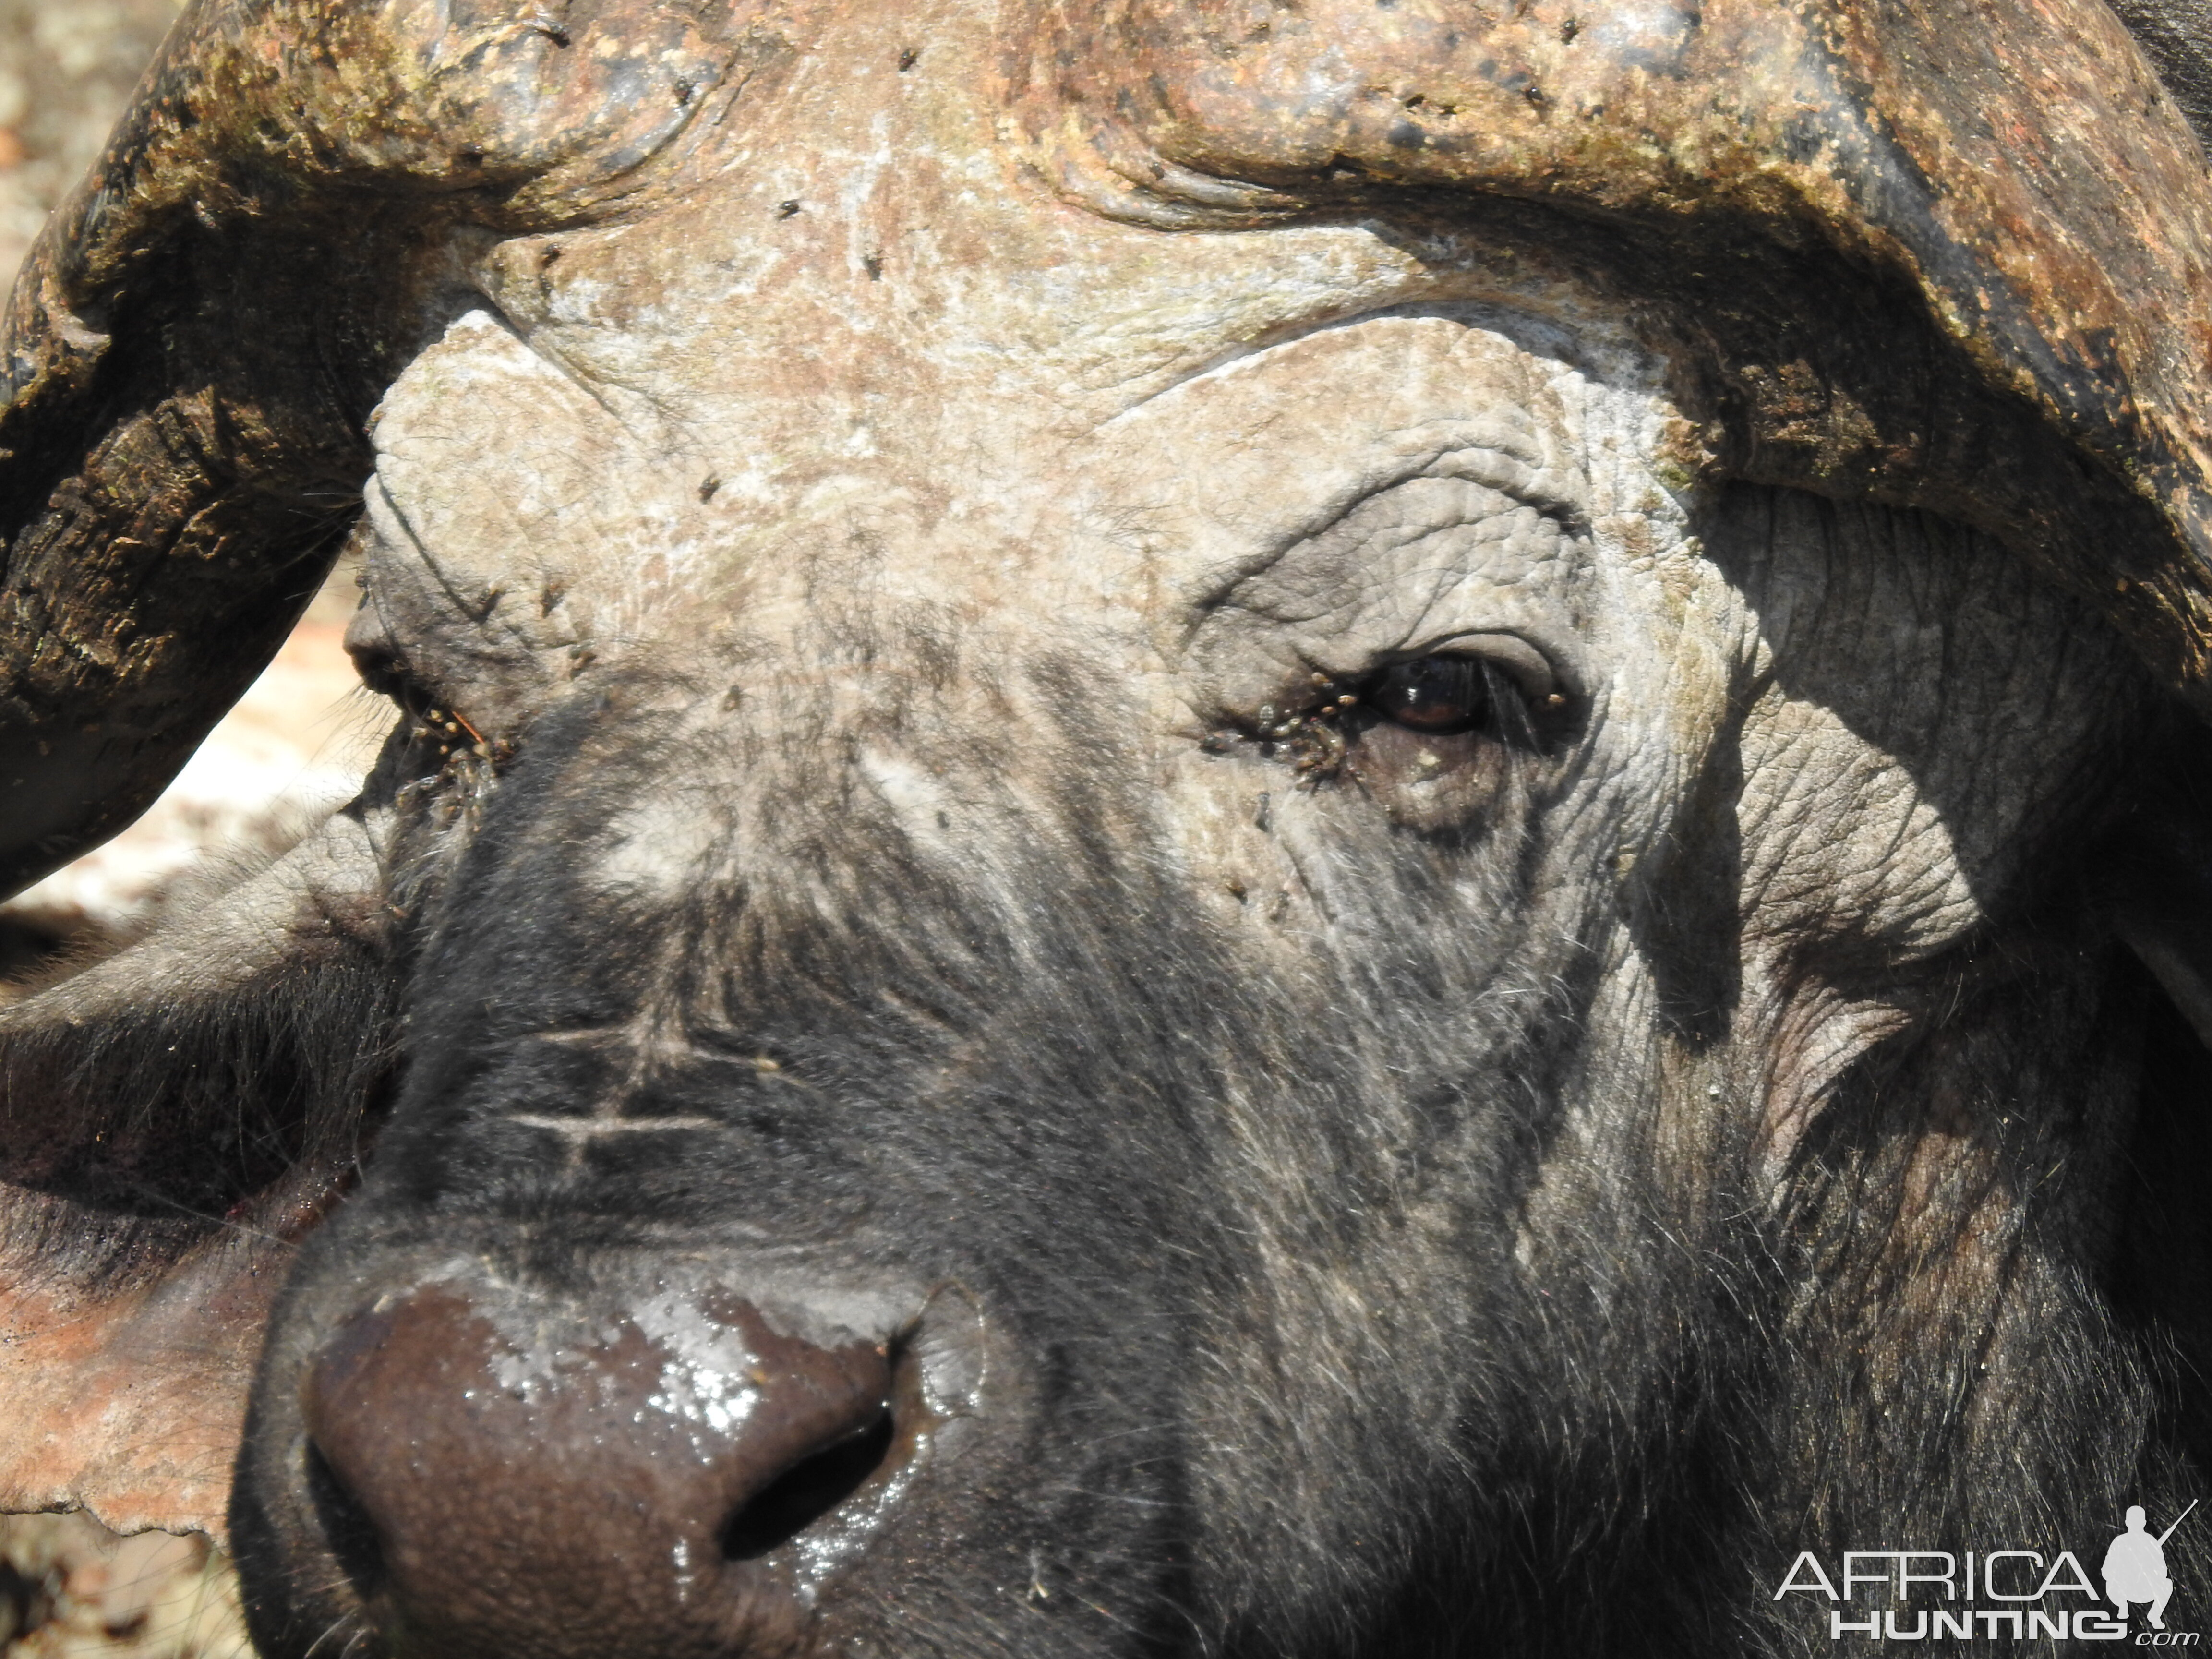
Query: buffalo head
[(1217, 827)]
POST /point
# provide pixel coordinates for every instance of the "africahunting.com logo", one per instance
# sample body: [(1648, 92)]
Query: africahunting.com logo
[(1999, 1596)]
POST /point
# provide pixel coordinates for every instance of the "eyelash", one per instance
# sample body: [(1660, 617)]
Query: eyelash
[(444, 731), (1443, 695)]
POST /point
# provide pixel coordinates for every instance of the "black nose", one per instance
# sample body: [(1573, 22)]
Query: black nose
[(494, 1486)]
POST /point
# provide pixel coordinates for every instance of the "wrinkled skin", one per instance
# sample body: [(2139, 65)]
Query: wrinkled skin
[(900, 846)]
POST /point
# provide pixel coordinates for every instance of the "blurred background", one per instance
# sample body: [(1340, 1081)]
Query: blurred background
[(295, 746)]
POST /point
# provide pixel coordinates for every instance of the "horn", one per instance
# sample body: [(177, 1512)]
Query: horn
[(190, 352), (1929, 253)]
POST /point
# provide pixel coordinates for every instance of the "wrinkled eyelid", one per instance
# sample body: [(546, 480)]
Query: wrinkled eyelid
[(376, 657), (1223, 583), (385, 668), (1522, 482), (1524, 479), (1528, 668)]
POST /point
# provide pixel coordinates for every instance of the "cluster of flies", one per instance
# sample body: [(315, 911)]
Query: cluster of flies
[(1311, 739), (446, 734)]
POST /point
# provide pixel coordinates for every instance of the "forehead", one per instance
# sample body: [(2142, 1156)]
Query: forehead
[(787, 350), (866, 263), (881, 331), (863, 348), (498, 463)]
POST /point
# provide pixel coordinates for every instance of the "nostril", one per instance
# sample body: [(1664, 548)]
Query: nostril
[(347, 1528), (483, 1497), (806, 1492)]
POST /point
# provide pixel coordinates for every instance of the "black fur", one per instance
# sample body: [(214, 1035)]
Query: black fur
[(1156, 1170)]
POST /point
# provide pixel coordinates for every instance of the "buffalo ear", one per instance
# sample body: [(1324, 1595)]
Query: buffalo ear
[(192, 351), (2175, 945), (172, 1121), (2153, 874)]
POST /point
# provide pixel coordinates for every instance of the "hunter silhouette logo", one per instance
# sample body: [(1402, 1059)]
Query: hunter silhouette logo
[(2008, 1595), (2134, 1567)]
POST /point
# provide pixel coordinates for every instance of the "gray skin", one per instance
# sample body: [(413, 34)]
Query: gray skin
[(1692, 1101)]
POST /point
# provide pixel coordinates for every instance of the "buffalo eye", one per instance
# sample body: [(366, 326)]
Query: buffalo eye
[(437, 730), (1440, 694)]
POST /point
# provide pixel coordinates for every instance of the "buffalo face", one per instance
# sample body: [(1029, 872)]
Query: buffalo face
[(1201, 919), (1069, 1041)]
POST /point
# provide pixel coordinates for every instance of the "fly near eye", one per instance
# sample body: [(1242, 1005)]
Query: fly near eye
[(1440, 694)]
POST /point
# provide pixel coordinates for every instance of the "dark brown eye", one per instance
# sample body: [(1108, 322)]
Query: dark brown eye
[(1439, 695)]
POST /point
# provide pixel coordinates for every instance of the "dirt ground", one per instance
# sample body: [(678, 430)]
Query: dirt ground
[(69, 1588)]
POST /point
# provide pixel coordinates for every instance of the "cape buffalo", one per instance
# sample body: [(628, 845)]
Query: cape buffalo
[(1281, 829)]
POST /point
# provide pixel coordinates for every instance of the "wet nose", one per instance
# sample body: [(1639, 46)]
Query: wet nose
[(492, 1487)]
